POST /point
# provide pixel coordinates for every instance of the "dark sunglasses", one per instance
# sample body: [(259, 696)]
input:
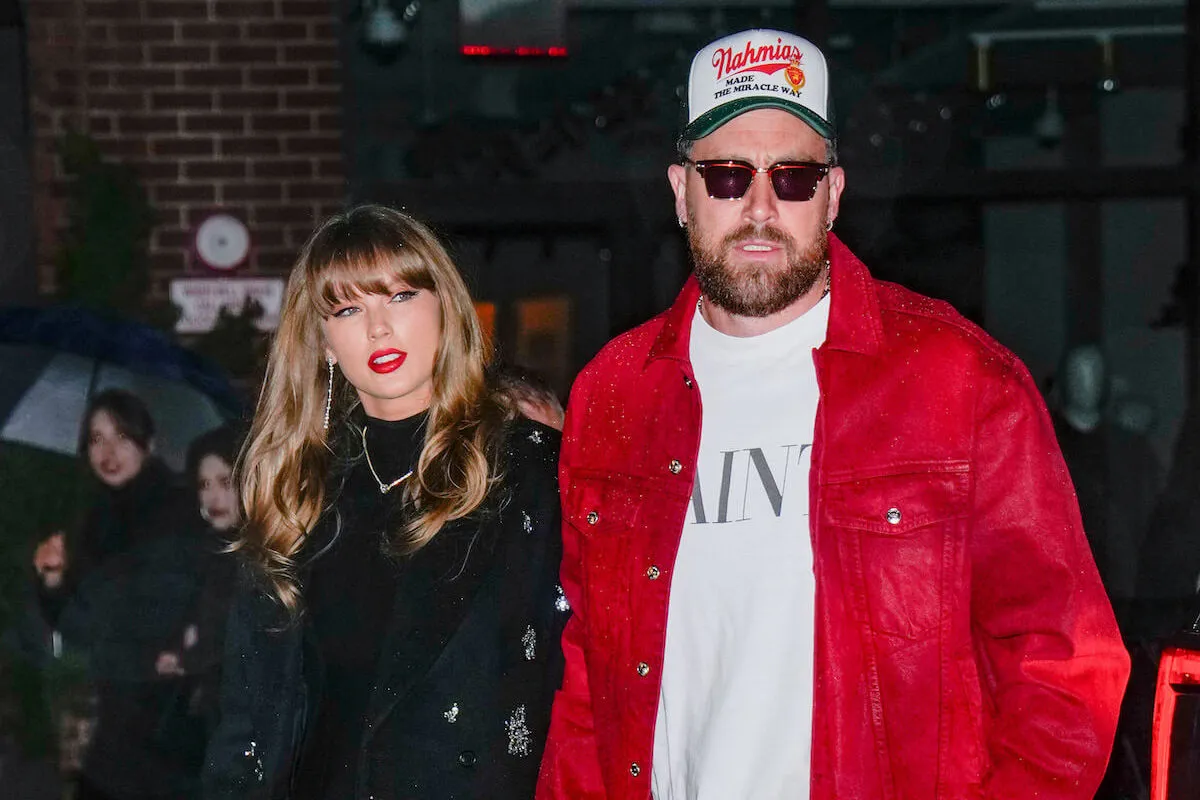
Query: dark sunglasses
[(793, 181)]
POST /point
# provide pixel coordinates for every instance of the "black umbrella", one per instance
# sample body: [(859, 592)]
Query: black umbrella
[(53, 360)]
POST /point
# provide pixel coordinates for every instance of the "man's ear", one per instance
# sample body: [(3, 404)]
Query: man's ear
[(837, 185), (677, 177)]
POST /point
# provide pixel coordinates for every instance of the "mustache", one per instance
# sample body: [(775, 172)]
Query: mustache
[(749, 231)]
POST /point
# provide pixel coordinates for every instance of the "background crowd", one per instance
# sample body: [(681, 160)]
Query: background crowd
[(132, 605), (111, 662)]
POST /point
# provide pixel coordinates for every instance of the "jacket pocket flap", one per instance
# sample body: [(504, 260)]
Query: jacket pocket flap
[(893, 505)]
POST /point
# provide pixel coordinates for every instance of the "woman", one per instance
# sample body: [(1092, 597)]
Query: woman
[(139, 498), (197, 652), (398, 637), (210, 461), (134, 576)]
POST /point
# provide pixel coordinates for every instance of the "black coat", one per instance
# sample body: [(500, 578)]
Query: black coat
[(467, 672)]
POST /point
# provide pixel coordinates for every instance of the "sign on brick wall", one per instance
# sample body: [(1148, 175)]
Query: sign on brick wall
[(200, 300)]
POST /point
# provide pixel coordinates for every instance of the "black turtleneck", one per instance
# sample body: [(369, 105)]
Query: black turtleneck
[(348, 597)]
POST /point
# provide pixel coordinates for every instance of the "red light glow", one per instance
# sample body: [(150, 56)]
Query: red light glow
[(1178, 669), (520, 52)]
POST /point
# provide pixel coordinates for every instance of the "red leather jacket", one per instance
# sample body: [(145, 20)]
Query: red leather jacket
[(965, 647)]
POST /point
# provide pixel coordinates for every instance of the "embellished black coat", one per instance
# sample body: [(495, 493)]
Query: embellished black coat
[(467, 671)]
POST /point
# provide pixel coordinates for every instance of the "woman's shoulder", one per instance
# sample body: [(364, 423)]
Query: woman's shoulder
[(529, 468), (531, 447)]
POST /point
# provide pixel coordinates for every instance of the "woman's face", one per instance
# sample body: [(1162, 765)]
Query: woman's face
[(218, 497), (386, 345), (114, 457)]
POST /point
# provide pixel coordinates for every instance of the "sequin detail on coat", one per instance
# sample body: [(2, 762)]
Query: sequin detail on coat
[(252, 753), (518, 733), (529, 639)]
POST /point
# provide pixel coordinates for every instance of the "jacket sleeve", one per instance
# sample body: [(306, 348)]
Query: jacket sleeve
[(570, 765), (1051, 660), (232, 766)]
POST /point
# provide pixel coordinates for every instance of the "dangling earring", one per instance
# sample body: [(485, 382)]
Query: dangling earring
[(682, 224), (329, 391), (829, 226)]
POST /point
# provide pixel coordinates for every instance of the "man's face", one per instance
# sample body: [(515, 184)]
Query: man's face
[(757, 255)]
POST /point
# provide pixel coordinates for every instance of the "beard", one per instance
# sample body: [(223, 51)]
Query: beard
[(757, 290)]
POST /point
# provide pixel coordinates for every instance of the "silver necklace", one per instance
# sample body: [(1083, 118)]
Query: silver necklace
[(384, 488)]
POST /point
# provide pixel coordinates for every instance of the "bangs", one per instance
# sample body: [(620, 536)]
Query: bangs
[(341, 270)]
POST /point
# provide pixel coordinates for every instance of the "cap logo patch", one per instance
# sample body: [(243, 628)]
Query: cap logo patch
[(767, 59), (795, 75)]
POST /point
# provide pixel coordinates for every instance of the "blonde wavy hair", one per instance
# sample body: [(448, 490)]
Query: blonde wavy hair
[(288, 456)]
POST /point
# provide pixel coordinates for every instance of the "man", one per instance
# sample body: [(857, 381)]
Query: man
[(819, 538)]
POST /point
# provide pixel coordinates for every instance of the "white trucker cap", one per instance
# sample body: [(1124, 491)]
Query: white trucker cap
[(757, 69)]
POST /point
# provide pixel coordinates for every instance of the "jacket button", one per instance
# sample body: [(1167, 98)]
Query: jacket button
[(675, 467), (893, 516), (643, 669), (467, 758), (634, 769), (592, 518), (653, 573), (687, 381)]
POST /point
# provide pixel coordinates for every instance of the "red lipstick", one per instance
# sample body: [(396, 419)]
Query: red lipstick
[(385, 361)]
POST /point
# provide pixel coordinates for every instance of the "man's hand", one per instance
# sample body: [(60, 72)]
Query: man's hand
[(50, 560)]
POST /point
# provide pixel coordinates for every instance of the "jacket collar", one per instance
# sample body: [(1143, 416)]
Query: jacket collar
[(854, 318)]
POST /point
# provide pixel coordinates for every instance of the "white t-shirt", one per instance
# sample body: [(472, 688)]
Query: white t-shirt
[(735, 711)]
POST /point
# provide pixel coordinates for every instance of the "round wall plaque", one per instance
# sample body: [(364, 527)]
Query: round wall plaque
[(222, 242)]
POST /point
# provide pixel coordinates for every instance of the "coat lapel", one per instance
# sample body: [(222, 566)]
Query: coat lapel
[(436, 591)]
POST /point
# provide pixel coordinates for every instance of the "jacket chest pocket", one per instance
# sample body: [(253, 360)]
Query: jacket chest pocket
[(898, 536), (603, 514)]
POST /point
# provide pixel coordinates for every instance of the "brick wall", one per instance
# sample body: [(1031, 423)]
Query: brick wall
[(230, 105)]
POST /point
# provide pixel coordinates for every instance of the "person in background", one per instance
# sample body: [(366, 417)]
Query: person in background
[(396, 634), (137, 495), (140, 498), (819, 539), (133, 576), (529, 391), (210, 463), (210, 469)]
